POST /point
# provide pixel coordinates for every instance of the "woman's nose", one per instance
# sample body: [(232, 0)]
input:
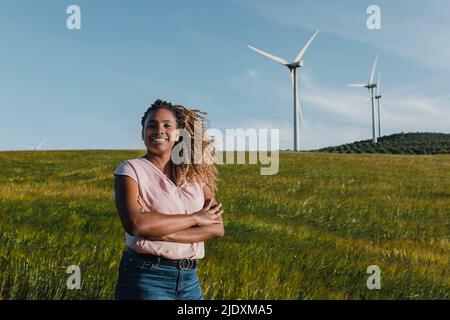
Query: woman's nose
[(161, 130)]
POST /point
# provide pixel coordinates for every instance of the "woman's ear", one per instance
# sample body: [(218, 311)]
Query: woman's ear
[(142, 134)]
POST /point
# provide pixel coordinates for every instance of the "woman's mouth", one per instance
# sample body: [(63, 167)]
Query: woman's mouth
[(159, 140)]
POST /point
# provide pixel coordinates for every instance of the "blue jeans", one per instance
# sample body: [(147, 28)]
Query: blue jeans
[(145, 280)]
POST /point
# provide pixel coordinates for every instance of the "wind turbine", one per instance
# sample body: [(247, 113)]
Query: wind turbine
[(36, 148), (378, 97), (298, 62), (370, 85)]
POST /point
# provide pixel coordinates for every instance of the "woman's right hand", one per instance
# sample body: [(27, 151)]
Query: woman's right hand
[(209, 214)]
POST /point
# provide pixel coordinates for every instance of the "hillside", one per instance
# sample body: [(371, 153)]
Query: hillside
[(399, 143)]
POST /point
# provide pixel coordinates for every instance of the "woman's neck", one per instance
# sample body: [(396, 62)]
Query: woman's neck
[(162, 162)]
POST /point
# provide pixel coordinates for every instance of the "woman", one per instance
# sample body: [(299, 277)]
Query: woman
[(166, 209)]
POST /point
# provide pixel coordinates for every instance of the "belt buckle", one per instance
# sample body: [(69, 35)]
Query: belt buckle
[(185, 264)]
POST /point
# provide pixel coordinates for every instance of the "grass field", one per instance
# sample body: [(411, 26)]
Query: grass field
[(309, 232)]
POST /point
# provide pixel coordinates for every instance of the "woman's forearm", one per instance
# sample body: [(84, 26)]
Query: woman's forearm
[(154, 224), (193, 234)]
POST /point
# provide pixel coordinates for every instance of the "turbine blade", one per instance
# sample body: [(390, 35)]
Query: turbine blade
[(299, 105), (359, 85), (41, 144), (378, 84), (373, 70), (302, 52), (270, 56)]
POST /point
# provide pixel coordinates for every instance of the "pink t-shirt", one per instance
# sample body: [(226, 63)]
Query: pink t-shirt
[(162, 195)]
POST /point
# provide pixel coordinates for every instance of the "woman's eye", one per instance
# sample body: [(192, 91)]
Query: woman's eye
[(153, 126)]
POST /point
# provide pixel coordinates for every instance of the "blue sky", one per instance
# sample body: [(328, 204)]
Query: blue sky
[(88, 88)]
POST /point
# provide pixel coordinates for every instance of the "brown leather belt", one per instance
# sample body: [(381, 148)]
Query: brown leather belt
[(182, 264)]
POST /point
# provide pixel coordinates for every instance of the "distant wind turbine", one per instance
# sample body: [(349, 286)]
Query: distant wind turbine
[(370, 85), (298, 62), (378, 97), (36, 148)]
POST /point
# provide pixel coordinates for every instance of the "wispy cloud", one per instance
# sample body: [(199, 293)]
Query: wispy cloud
[(338, 115), (412, 111), (417, 30)]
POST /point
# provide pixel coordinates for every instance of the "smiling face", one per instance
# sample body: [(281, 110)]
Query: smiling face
[(160, 131)]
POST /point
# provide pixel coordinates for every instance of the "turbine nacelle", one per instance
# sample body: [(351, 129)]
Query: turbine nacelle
[(362, 85), (294, 65), (298, 60)]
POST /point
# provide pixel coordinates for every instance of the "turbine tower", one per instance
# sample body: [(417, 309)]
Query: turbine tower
[(378, 97), (370, 85), (298, 62)]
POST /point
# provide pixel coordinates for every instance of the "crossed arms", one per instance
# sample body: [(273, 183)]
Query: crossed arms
[(138, 220)]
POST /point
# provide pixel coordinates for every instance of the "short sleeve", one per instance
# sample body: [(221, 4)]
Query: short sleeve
[(126, 169)]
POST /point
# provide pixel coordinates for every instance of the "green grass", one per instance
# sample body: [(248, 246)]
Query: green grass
[(309, 232)]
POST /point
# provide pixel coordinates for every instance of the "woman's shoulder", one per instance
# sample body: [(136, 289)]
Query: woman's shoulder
[(129, 167), (132, 162)]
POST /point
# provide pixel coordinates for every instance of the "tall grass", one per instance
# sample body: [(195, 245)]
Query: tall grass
[(309, 232)]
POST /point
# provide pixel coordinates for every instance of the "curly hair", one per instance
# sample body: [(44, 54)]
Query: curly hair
[(188, 119)]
